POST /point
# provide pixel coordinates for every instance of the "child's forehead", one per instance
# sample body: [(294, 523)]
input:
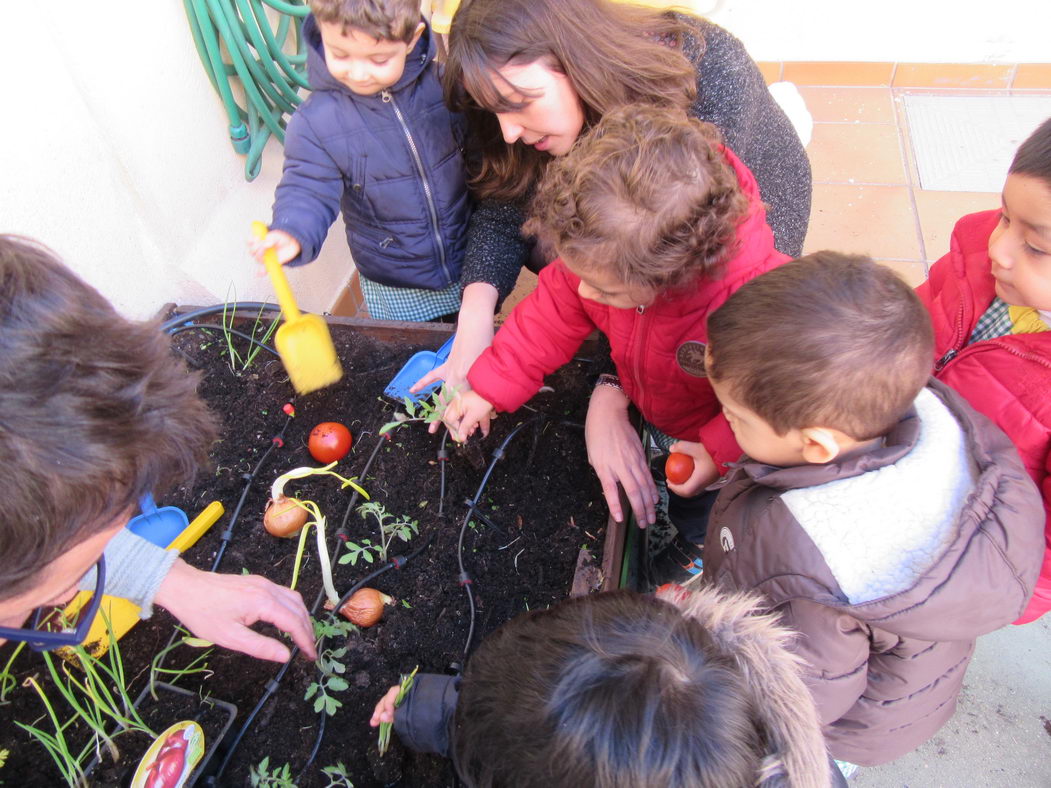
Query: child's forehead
[(351, 38), (1028, 199)]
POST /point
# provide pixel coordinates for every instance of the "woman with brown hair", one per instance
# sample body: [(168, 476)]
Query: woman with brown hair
[(531, 76)]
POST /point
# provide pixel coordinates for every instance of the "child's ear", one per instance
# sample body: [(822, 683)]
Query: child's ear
[(819, 445), (416, 36)]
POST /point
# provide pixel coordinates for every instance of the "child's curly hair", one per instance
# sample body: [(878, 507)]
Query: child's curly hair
[(647, 194)]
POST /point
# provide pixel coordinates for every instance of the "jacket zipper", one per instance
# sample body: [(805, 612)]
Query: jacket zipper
[(640, 323), (957, 345), (388, 98)]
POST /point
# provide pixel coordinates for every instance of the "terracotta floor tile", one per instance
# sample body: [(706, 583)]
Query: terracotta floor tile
[(958, 75), (856, 153), (913, 272), (849, 105), (525, 285), (912, 172), (1032, 75), (873, 220), (938, 212), (838, 73), (771, 71)]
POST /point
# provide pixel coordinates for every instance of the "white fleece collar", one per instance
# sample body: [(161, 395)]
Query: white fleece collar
[(879, 531)]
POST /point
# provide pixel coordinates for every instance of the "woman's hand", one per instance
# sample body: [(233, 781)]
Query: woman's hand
[(221, 608), (474, 333), (384, 711), (616, 453), (704, 469), (285, 245)]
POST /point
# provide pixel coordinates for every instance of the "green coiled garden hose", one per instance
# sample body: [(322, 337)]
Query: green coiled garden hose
[(243, 49)]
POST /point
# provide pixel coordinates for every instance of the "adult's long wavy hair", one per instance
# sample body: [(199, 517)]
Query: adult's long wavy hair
[(613, 54)]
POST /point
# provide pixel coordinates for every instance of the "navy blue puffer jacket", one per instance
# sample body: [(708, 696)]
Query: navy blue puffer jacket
[(392, 162)]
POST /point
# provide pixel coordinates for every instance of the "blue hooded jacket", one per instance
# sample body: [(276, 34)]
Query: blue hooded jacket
[(393, 163)]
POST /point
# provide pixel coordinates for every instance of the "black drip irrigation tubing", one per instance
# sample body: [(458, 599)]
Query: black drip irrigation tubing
[(272, 686), (234, 331), (232, 306), (464, 578)]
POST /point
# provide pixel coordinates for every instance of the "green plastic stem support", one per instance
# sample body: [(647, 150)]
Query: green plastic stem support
[(244, 47)]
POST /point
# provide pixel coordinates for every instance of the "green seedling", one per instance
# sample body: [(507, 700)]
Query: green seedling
[(391, 527), (199, 665), (329, 664), (427, 410), (385, 727), (235, 359), (260, 776), (337, 776)]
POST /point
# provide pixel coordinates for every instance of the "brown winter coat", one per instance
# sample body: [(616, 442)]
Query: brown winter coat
[(885, 671)]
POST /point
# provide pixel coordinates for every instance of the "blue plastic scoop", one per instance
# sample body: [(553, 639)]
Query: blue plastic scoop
[(415, 368), (158, 525)]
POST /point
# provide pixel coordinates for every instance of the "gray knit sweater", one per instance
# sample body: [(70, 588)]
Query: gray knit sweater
[(731, 94)]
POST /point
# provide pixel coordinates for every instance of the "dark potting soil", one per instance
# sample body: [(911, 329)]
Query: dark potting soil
[(542, 503)]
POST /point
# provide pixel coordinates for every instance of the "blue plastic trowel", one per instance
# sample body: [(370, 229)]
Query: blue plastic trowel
[(415, 368)]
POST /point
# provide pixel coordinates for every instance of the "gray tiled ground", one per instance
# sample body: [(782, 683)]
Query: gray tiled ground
[(1001, 732)]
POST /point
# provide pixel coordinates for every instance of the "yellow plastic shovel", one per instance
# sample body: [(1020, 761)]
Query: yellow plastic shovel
[(121, 613), (303, 342)]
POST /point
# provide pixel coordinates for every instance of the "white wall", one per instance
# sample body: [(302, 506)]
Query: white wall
[(114, 148), (114, 151), (912, 31)]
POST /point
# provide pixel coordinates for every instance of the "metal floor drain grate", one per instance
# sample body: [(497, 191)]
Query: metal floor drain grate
[(966, 143)]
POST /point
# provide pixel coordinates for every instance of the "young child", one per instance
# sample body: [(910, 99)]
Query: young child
[(990, 301), (620, 690), (375, 139), (95, 413), (655, 224), (887, 522)]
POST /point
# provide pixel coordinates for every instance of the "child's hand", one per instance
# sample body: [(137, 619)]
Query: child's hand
[(466, 413), (704, 470), (285, 245), (384, 711)]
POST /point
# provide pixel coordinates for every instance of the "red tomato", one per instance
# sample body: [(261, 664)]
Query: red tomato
[(678, 467), (329, 441)]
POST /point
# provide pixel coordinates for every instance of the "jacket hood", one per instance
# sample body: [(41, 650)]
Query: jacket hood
[(321, 79), (759, 645), (985, 547)]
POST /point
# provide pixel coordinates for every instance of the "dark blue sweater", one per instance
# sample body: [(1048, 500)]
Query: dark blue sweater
[(392, 162)]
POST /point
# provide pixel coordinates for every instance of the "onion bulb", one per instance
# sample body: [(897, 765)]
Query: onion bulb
[(284, 517), (365, 607)]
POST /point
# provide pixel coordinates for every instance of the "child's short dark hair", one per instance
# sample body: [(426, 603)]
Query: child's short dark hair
[(646, 194), (387, 20), (1033, 157), (828, 340), (94, 412), (614, 690)]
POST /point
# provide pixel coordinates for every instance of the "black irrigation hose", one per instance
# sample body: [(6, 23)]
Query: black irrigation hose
[(465, 579), (396, 563), (232, 306), (443, 459), (271, 686), (227, 535), (342, 531), (234, 331)]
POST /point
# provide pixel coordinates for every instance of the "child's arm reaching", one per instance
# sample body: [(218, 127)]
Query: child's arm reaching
[(704, 469), (285, 245), (466, 413)]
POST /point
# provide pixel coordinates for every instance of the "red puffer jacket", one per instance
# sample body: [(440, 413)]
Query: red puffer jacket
[(658, 350), (1008, 379)]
